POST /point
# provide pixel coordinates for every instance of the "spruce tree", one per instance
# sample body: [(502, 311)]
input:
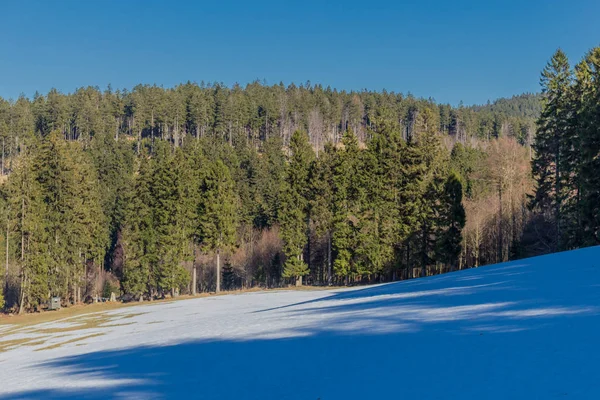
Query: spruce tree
[(589, 123), (387, 190), (452, 221), (271, 176), (348, 196), (29, 231), (552, 141), (114, 162), (74, 213), (218, 213), (321, 202), (138, 234), (431, 184), (295, 207), (169, 210)]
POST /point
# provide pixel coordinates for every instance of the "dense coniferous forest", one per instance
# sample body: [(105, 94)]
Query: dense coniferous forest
[(566, 165), (159, 192)]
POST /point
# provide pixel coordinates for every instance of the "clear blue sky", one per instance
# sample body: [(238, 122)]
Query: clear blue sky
[(449, 50)]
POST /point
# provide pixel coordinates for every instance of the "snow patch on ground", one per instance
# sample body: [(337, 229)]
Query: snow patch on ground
[(525, 329)]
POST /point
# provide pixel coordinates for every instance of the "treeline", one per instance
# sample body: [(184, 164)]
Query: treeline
[(255, 113), (566, 166), (156, 192)]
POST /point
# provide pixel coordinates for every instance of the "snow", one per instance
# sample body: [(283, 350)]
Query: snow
[(521, 330)]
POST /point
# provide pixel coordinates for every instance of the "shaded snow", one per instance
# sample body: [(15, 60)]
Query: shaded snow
[(526, 329)]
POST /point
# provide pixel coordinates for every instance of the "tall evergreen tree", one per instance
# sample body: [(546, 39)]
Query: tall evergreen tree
[(552, 141), (29, 232), (452, 221), (294, 213), (588, 76), (321, 202), (349, 194), (138, 234), (218, 213), (170, 214)]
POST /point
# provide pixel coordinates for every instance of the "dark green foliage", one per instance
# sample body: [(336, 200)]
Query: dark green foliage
[(113, 161), (551, 140), (271, 175), (452, 221), (466, 162), (108, 289), (138, 235), (345, 186), (567, 149), (588, 123), (295, 205), (218, 210), (348, 194), (321, 204)]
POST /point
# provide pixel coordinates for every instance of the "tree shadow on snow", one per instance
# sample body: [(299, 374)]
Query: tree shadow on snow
[(472, 334)]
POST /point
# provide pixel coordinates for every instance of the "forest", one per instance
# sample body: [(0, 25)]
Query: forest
[(158, 192)]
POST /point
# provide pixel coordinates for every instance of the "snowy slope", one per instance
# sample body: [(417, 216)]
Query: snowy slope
[(522, 330)]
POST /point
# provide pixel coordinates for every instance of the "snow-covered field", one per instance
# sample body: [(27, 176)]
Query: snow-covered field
[(522, 330)]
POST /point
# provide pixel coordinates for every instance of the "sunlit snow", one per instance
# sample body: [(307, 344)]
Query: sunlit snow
[(526, 329)]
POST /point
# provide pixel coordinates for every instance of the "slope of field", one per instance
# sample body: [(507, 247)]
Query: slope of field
[(526, 329)]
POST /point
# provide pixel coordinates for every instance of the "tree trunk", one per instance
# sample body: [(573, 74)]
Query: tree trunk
[(22, 231), (139, 141), (22, 293), (408, 269), (194, 280), (424, 251), (558, 197), (500, 233), (6, 272), (218, 271), (329, 261)]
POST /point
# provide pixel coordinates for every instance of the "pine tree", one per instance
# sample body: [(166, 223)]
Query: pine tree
[(114, 162), (349, 195), (551, 141), (572, 158), (388, 190), (321, 201), (138, 235), (218, 213), (295, 207), (169, 211), (433, 162), (29, 230), (74, 214), (271, 176), (452, 221), (589, 122)]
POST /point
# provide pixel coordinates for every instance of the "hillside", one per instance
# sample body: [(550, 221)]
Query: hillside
[(525, 329)]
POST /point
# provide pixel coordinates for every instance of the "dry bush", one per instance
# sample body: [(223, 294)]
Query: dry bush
[(99, 283), (255, 262), (497, 213), (256, 259)]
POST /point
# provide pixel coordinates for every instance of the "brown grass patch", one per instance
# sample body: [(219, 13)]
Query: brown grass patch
[(9, 344), (63, 313), (20, 321), (113, 325), (99, 320), (74, 340)]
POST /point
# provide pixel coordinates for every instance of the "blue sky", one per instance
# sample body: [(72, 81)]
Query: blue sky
[(449, 50)]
